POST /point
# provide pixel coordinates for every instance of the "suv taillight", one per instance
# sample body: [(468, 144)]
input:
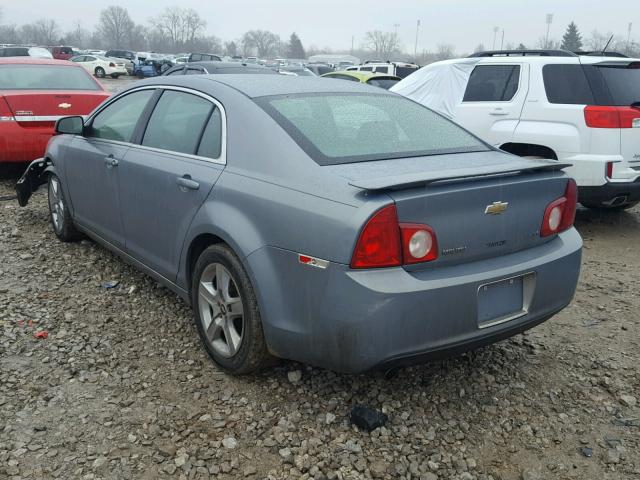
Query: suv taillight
[(384, 242), (561, 213), (597, 116), (6, 115)]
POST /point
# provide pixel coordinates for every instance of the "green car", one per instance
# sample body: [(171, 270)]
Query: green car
[(376, 79)]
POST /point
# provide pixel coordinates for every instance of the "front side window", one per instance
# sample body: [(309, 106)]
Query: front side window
[(177, 122), (492, 83), (344, 128), (118, 120)]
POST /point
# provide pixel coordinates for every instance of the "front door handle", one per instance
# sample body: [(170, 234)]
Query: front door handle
[(185, 183), (111, 161)]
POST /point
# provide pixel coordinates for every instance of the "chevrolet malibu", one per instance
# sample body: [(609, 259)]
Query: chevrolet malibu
[(34, 93), (327, 222)]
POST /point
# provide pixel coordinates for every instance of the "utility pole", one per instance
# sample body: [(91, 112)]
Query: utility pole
[(396, 26), (549, 22), (502, 41), (415, 48), (629, 38), (495, 33), (352, 40)]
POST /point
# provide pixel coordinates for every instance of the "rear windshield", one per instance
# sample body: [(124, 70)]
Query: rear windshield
[(385, 83), (336, 128), (45, 77), (623, 83)]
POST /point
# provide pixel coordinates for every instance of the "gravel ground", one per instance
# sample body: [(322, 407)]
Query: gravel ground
[(121, 388)]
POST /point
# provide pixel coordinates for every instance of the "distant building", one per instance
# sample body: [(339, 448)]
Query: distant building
[(333, 59)]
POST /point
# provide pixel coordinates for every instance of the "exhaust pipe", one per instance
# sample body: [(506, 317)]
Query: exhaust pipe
[(616, 201)]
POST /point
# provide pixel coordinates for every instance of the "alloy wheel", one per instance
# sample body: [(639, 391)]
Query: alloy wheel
[(221, 310), (56, 204)]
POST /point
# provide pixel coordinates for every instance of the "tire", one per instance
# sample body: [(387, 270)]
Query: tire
[(99, 71), (140, 74), (226, 312), (114, 75), (616, 208), (59, 214)]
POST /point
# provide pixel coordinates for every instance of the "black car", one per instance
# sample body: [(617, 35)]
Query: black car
[(203, 68), (204, 57), (126, 54)]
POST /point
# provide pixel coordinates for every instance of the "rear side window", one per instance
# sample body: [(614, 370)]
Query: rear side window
[(346, 128), (177, 122), (119, 119), (567, 84), (211, 143), (492, 83)]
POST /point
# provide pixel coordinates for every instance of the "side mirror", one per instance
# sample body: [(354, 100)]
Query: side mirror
[(70, 125)]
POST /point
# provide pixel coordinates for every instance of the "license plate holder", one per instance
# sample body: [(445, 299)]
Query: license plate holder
[(504, 300)]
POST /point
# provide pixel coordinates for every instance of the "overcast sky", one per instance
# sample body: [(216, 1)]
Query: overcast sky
[(332, 23)]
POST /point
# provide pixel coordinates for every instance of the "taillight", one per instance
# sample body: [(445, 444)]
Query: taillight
[(379, 242), (384, 242), (6, 115), (419, 243), (561, 213), (111, 64), (597, 116)]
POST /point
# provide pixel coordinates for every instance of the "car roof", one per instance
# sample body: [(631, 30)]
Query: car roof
[(35, 61), (254, 86)]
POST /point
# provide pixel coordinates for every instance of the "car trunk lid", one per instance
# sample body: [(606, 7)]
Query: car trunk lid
[(32, 109), (489, 204)]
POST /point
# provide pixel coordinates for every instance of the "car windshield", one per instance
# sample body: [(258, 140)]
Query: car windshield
[(385, 83), (336, 128), (45, 77), (623, 83)]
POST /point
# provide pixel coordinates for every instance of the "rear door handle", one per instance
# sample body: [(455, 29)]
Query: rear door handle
[(498, 112), (111, 161), (185, 183)]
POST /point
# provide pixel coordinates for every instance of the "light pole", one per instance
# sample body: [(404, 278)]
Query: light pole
[(395, 27), (502, 41), (549, 22), (495, 33), (415, 48), (629, 38)]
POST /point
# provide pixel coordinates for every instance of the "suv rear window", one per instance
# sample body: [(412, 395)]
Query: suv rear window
[(623, 83), (492, 83), (337, 128), (567, 84)]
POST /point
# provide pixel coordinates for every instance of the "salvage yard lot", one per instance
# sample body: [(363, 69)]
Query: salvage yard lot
[(121, 387)]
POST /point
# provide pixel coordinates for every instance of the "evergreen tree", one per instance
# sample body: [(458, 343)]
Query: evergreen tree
[(295, 48), (572, 40), (522, 46)]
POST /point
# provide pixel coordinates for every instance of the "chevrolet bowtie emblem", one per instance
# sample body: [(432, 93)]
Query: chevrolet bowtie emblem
[(65, 105), (496, 208)]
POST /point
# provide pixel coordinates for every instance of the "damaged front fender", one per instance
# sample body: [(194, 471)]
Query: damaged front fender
[(34, 176)]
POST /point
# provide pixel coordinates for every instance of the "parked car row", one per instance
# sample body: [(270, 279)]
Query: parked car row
[(329, 222)]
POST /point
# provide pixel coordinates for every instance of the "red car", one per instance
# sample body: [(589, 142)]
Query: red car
[(61, 53), (34, 93)]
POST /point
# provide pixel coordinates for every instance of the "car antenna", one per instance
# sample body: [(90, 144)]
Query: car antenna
[(607, 45)]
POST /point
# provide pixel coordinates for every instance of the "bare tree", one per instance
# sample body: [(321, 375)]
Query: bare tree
[(231, 48), (597, 41), (41, 32), (264, 43), (384, 44), (445, 52), (115, 26), (182, 27), (78, 36)]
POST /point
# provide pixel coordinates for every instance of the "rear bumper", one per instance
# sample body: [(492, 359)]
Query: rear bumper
[(353, 321), (22, 144), (611, 193)]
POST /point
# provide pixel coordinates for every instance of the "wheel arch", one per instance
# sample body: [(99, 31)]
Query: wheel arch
[(529, 150)]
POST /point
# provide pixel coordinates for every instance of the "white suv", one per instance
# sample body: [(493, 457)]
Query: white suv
[(399, 69), (583, 110)]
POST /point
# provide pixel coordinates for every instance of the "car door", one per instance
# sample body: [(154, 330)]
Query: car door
[(92, 161), (166, 178), (493, 101)]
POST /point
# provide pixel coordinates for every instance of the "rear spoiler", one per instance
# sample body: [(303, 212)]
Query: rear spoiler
[(409, 180)]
